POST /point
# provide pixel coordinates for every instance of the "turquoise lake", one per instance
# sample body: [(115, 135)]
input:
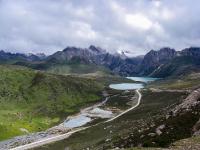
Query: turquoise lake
[(143, 79), (132, 86)]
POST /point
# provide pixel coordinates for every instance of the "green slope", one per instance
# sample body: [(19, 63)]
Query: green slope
[(35, 100), (187, 82), (65, 67), (77, 69)]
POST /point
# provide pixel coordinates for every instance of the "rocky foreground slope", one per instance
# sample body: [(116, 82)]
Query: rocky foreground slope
[(182, 121)]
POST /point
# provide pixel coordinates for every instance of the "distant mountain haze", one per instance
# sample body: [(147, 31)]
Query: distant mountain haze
[(162, 63)]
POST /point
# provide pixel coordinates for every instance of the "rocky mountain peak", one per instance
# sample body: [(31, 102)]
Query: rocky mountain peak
[(71, 49), (160, 56), (167, 49), (154, 59), (97, 50), (41, 55), (192, 51), (126, 54), (163, 52)]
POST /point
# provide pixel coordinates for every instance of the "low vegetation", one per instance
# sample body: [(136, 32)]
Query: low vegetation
[(33, 101), (188, 82), (77, 69), (121, 100), (192, 143), (133, 124)]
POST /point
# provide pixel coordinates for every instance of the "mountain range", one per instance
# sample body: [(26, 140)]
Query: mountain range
[(161, 63)]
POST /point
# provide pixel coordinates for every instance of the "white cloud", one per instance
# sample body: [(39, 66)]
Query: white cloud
[(138, 21), (136, 26), (157, 3), (83, 30), (166, 14)]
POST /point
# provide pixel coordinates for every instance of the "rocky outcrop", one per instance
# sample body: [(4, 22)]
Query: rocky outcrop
[(188, 104), (159, 129), (196, 129)]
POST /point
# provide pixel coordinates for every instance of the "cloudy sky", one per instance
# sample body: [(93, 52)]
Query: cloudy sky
[(134, 25)]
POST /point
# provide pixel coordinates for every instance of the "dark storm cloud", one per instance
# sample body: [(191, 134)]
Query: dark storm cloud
[(137, 26)]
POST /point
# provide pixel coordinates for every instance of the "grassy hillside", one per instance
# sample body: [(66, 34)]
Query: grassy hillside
[(190, 81), (77, 69), (35, 100), (65, 68)]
